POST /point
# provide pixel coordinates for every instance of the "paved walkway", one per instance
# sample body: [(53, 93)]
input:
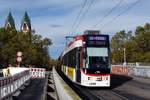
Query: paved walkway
[(34, 91)]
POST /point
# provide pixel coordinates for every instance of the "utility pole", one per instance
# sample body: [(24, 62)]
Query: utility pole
[(67, 37), (124, 53)]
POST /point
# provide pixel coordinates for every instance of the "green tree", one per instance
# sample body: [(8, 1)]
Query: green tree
[(142, 44), (137, 47), (34, 48), (118, 43)]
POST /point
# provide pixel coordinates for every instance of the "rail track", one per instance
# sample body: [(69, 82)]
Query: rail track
[(93, 93), (83, 94), (106, 94), (103, 93)]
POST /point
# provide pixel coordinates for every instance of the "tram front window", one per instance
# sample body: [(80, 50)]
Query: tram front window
[(98, 62)]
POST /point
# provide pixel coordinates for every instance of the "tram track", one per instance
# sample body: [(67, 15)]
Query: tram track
[(93, 93), (130, 96), (111, 94), (105, 94), (118, 91), (84, 95), (121, 96)]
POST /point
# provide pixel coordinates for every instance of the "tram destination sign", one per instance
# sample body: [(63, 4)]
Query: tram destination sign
[(92, 38), (97, 40)]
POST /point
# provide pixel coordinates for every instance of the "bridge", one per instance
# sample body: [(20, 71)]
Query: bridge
[(128, 82), (97, 34)]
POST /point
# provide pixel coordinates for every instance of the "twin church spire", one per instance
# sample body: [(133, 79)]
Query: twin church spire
[(9, 24), (25, 23)]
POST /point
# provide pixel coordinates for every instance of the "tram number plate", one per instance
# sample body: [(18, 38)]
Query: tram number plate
[(92, 83)]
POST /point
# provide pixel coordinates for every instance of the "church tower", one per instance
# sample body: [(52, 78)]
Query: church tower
[(26, 24), (9, 24)]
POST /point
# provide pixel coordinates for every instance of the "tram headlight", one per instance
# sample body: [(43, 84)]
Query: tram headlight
[(89, 78), (105, 78)]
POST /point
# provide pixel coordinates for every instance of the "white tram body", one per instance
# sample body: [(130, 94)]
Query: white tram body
[(85, 60)]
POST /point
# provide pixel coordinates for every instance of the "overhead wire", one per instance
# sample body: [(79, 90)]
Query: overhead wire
[(108, 13), (84, 14), (121, 13), (78, 15)]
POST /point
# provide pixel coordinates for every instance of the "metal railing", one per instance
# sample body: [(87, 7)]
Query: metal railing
[(9, 85), (131, 70)]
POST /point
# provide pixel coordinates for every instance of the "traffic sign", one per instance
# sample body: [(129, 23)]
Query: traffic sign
[(19, 59), (19, 53)]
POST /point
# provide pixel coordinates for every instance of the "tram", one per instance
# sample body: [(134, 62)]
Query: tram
[(86, 59)]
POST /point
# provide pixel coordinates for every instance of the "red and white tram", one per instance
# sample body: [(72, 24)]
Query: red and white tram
[(86, 60)]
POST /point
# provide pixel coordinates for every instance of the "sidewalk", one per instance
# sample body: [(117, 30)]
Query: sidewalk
[(34, 91)]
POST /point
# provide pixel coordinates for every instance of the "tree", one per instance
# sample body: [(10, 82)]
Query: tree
[(34, 48), (118, 44), (137, 47), (56, 63), (142, 44)]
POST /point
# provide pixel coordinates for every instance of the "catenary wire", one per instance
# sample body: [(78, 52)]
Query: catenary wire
[(78, 15), (84, 14), (107, 14), (121, 13)]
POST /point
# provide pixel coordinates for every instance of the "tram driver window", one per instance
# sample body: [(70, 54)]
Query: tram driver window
[(98, 62)]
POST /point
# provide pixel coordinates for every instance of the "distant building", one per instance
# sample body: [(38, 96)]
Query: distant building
[(9, 24), (26, 24)]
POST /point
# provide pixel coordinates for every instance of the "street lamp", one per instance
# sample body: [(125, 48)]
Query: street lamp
[(124, 53)]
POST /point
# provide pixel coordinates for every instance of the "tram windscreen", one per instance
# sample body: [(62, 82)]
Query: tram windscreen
[(98, 62)]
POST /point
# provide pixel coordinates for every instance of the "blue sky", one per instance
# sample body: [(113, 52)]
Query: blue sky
[(54, 18)]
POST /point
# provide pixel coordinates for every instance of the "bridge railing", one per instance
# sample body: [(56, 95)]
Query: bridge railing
[(140, 71), (63, 90), (131, 70), (120, 69), (37, 72), (9, 85)]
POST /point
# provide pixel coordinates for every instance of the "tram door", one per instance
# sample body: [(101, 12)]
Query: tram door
[(78, 73)]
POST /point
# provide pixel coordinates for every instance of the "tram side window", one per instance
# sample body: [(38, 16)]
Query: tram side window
[(65, 60), (78, 50), (72, 58)]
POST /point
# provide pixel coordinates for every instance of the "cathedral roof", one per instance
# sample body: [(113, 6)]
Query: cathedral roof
[(9, 22), (26, 24)]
